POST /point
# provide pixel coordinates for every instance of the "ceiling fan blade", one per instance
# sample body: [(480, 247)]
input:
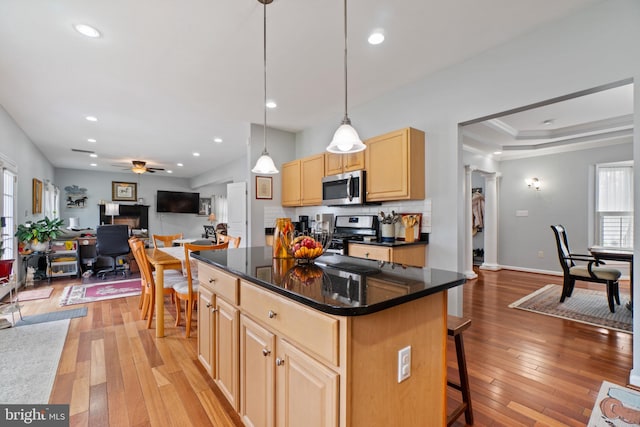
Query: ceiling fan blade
[(155, 169)]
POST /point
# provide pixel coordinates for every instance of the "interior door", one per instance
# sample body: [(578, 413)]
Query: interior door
[(237, 211)]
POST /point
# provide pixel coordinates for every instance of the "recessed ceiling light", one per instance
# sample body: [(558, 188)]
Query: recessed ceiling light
[(94, 155), (179, 164), (94, 164), (497, 153), (169, 171), (271, 104), (548, 122), (87, 30), (217, 140), (92, 118), (376, 37), (91, 140), (196, 154)]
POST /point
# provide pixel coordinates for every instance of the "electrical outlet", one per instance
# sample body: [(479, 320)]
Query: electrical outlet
[(540, 254), (404, 364)]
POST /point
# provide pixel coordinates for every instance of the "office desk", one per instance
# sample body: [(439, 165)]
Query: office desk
[(161, 261), (624, 255)]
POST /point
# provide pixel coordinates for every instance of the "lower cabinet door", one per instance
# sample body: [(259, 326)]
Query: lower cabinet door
[(307, 391), (226, 350), (257, 348), (205, 328)]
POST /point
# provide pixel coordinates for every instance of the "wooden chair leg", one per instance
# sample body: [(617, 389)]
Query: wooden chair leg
[(145, 306), (189, 310), (610, 292), (178, 309), (152, 307)]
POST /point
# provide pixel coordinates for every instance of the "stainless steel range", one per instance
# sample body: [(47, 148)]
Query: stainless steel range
[(352, 227)]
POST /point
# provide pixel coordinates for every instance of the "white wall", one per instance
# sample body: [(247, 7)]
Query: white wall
[(591, 48)]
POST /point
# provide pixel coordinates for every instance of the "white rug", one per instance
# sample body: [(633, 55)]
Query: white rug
[(29, 357), (616, 406)]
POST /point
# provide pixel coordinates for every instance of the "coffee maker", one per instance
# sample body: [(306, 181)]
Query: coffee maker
[(303, 224)]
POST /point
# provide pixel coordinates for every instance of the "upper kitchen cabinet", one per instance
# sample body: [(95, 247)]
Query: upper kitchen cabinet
[(340, 163), (395, 166), (302, 181)]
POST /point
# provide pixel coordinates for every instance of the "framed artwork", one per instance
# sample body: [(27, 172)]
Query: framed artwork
[(36, 203), (124, 191), (205, 206), (264, 187)]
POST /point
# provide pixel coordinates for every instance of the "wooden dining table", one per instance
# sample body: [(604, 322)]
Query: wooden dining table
[(617, 254), (161, 261)]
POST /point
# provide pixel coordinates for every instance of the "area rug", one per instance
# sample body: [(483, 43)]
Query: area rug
[(585, 306), (80, 294), (615, 406), (52, 316), (33, 294), (29, 359)]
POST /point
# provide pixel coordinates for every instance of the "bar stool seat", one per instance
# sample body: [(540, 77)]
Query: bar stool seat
[(455, 327)]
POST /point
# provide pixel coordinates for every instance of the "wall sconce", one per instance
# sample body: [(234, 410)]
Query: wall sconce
[(533, 183)]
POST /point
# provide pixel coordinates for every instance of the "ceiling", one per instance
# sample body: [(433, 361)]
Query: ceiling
[(165, 79), (594, 119)]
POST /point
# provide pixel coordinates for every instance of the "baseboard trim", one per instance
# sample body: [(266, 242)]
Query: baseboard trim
[(532, 270)]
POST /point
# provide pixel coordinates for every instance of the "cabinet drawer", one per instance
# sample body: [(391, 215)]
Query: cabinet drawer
[(219, 282), (379, 253), (313, 330)]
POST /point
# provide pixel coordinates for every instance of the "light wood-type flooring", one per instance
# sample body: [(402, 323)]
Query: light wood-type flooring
[(525, 369)]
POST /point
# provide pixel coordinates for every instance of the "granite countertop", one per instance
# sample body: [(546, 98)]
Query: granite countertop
[(334, 284)]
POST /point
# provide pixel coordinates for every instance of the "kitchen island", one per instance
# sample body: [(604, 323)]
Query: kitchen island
[(319, 344)]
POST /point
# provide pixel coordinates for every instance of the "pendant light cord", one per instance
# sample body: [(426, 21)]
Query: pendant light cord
[(346, 120), (264, 50)]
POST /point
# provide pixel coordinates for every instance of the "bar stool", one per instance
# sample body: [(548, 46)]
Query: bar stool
[(455, 327)]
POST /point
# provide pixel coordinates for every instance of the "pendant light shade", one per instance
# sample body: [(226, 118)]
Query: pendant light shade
[(346, 139), (265, 164)]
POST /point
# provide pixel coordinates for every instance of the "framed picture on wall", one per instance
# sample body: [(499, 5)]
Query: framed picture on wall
[(205, 206), (124, 191), (264, 187), (36, 203)]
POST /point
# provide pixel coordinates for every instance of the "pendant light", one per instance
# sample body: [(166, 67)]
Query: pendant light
[(346, 139), (265, 164)]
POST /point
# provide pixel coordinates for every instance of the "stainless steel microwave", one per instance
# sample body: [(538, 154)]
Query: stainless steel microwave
[(344, 189)]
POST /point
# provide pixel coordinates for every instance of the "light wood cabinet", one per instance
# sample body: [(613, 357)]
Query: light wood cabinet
[(226, 350), (340, 163), (413, 255), (396, 166), (205, 329), (302, 181)]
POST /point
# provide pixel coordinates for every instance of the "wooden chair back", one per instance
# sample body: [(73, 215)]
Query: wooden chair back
[(166, 239), (188, 247), (235, 241), (138, 249)]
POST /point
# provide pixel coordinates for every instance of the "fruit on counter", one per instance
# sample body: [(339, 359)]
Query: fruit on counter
[(306, 247)]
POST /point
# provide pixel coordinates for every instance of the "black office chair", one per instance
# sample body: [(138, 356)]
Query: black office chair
[(112, 246)]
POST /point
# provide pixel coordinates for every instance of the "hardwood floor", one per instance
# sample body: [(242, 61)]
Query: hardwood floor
[(525, 369)]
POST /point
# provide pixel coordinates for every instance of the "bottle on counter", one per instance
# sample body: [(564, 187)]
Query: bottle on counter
[(282, 237)]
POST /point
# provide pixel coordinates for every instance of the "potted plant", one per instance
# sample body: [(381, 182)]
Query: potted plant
[(38, 233)]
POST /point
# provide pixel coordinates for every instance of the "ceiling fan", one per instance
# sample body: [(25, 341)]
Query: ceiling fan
[(139, 167)]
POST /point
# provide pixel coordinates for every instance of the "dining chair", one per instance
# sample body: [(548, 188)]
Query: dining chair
[(166, 239), (235, 241), (148, 281), (590, 272), (188, 292)]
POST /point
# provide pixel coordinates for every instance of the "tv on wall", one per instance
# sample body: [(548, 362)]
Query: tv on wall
[(177, 202)]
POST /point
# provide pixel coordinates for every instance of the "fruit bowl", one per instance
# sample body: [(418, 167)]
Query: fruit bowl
[(306, 248)]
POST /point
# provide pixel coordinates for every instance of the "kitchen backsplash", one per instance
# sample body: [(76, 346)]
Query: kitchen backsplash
[(413, 206)]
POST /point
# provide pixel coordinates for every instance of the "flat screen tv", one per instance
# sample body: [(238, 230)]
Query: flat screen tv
[(177, 202)]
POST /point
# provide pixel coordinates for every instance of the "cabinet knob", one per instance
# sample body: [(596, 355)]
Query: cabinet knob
[(272, 314), (211, 280), (279, 362), (266, 352)]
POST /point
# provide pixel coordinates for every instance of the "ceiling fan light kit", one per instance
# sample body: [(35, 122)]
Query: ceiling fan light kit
[(265, 164), (345, 139)]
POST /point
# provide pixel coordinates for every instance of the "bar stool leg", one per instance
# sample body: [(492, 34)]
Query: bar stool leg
[(464, 379)]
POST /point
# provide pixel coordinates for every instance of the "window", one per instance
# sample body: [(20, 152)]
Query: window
[(8, 180), (614, 205), (51, 200)]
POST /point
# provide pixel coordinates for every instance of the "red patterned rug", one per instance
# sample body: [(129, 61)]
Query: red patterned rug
[(30, 295), (80, 294)]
